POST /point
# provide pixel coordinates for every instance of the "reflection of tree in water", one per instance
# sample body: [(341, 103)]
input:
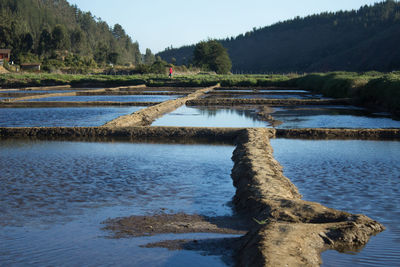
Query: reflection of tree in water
[(213, 112)]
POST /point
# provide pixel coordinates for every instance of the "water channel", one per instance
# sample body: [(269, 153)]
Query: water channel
[(61, 116), (332, 117)]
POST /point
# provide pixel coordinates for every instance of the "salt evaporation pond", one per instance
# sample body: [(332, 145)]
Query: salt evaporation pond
[(54, 196), (331, 117), (361, 177), (210, 117), (114, 98), (62, 116)]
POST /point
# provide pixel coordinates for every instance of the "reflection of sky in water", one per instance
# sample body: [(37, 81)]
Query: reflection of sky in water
[(54, 200), (331, 117), (355, 176), (61, 116), (210, 117), (116, 98)]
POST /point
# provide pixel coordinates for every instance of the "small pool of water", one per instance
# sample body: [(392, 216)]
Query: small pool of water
[(114, 98), (210, 117), (331, 117), (54, 196), (355, 176), (61, 116)]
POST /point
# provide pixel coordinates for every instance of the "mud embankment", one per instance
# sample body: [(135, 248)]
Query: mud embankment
[(146, 116), (272, 102), (255, 88), (292, 232), (321, 133), (29, 96), (39, 96), (145, 134), (253, 93), (43, 104)]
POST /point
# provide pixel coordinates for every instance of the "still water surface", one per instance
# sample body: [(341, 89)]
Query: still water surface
[(210, 117), (331, 117), (54, 196), (114, 98), (61, 116), (355, 176)]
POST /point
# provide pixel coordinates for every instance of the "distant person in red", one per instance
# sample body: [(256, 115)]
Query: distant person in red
[(170, 72)]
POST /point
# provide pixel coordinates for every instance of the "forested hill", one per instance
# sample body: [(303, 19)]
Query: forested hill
[(44, 28), (366, 39)]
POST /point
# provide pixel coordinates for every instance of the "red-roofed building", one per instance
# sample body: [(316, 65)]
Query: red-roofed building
[(5, 54)]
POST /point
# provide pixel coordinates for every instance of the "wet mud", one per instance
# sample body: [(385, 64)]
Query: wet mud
[(157, 134), (173, 223), (355, 134), (42, 104)]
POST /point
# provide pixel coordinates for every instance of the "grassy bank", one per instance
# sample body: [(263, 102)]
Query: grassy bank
[(373, 89), (155, 80)]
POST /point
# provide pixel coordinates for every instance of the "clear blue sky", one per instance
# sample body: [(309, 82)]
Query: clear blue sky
[(157, 24)]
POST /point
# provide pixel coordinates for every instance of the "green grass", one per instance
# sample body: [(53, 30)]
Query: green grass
[(380, 90)]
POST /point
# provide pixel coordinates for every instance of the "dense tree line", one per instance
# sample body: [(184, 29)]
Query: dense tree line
[(46, 30), (358, 40), (212, 56)]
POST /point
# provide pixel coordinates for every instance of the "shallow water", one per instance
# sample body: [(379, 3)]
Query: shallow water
[(114, 98), (355, 176), (61, 116), (210, 117), (54, 196), (331, 117)]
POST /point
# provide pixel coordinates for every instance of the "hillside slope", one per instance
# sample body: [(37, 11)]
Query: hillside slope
[(49, 27), (366, 39)]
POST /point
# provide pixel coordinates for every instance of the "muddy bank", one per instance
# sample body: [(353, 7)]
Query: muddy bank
[(274, 102), (43, 88), (362, 134), (173, 223), (292, 231), (264, 114), (146, 116), (152, 134), (38, 96), (254, 92), (255, 88), (43, 104)]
